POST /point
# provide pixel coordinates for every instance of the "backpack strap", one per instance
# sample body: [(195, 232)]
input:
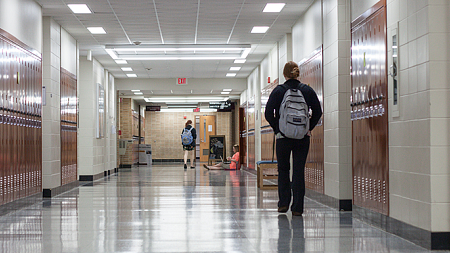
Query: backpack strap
[(286, 87)]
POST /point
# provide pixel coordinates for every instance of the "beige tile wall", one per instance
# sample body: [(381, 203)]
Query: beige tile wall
[(163, 131), (125, 126)]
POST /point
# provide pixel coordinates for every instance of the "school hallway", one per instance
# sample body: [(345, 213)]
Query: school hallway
[(164, 208)]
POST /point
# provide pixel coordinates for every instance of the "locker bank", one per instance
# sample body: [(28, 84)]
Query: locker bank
[(83, 89)]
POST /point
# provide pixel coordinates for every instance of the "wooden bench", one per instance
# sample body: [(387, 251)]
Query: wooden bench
[(266, 170)]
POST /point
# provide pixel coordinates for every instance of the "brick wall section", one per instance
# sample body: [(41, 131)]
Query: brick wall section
[(125, 126), (163, 131)]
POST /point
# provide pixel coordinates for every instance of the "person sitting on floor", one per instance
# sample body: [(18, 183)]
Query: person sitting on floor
[(232, 165)]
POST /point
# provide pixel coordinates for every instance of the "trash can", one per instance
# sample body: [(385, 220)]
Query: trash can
[(145, 154)]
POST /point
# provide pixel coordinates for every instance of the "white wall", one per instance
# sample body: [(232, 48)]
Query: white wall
[(337, 84), (307, 32), (51, 113), (110, 114), (68, 52), (419, 139), (23, 20), (170, 83), (358, 7), (284, 54), (94, 154), (253, 86)]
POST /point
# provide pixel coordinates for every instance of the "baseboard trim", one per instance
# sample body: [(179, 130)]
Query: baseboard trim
[(424, 238), (49, 193), (170, 160), (20, 203), (338, 204), (83, 178)]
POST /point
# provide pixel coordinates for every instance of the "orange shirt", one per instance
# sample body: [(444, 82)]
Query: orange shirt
[(233, 163)]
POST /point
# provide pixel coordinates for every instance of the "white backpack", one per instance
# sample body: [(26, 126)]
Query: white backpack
[(294, 114)]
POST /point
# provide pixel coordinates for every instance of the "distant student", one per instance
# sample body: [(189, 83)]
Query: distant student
[(188, 136), (230, 165)]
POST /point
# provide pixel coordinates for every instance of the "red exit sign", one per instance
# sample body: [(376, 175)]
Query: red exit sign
[(182, 81)]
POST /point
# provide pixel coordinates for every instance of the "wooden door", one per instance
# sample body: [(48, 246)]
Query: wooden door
[(207, 128)]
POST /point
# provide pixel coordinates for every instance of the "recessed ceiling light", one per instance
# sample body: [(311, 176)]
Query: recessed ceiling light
[(79, 8), (240, 61), (274, 7), (138, 93), (227, 89), (97, 30), (135, 90), (121, 62), (131, 75), (235, 68), (127, 69), (225, 92), (231, 74), (260, 29)]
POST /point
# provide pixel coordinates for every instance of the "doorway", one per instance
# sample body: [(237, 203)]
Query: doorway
[(207, 128)]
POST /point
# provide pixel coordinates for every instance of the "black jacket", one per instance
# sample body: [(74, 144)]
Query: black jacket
[(272, 112), (193, 132)]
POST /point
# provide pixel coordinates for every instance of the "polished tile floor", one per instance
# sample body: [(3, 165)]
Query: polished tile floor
[(165, 208)]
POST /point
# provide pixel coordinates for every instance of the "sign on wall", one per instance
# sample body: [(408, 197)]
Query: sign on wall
[(182, 81)]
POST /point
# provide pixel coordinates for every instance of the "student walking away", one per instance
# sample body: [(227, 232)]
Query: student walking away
[(230, 164), (188, 136), (293, 111)]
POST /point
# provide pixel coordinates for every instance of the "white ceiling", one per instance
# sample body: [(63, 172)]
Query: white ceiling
[(176, 22)]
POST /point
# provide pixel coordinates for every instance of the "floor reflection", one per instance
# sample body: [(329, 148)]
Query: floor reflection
[(165, 208)]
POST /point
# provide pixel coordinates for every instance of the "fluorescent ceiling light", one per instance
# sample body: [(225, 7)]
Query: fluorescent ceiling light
[(186, 110), (179, 99), (138, 93), (225, 92), (274, 7), (245, 53), (240, 61), (97, 30), (121, 62), (131, 75), (178, 52), (182, 106), (178, 47), (127, 69), (259, 29), (177, 110), (227, 89), (157, 58), (208, 110), (235, 68), (112, 54), (79, 8), (136, 90), (231, 74)]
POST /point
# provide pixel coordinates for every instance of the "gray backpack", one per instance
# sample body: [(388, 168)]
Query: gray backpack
[(294, 114)]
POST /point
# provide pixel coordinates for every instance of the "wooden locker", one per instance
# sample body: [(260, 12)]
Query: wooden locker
[(369, 111), (311, 73)]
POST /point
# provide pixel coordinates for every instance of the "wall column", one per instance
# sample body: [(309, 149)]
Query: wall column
[(337, 83), (51, 116)]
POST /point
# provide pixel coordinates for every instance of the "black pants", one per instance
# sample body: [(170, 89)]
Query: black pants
[(299, 149)]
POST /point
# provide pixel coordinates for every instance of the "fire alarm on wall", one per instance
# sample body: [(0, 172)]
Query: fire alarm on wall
[(184, 117), (268, 79)]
